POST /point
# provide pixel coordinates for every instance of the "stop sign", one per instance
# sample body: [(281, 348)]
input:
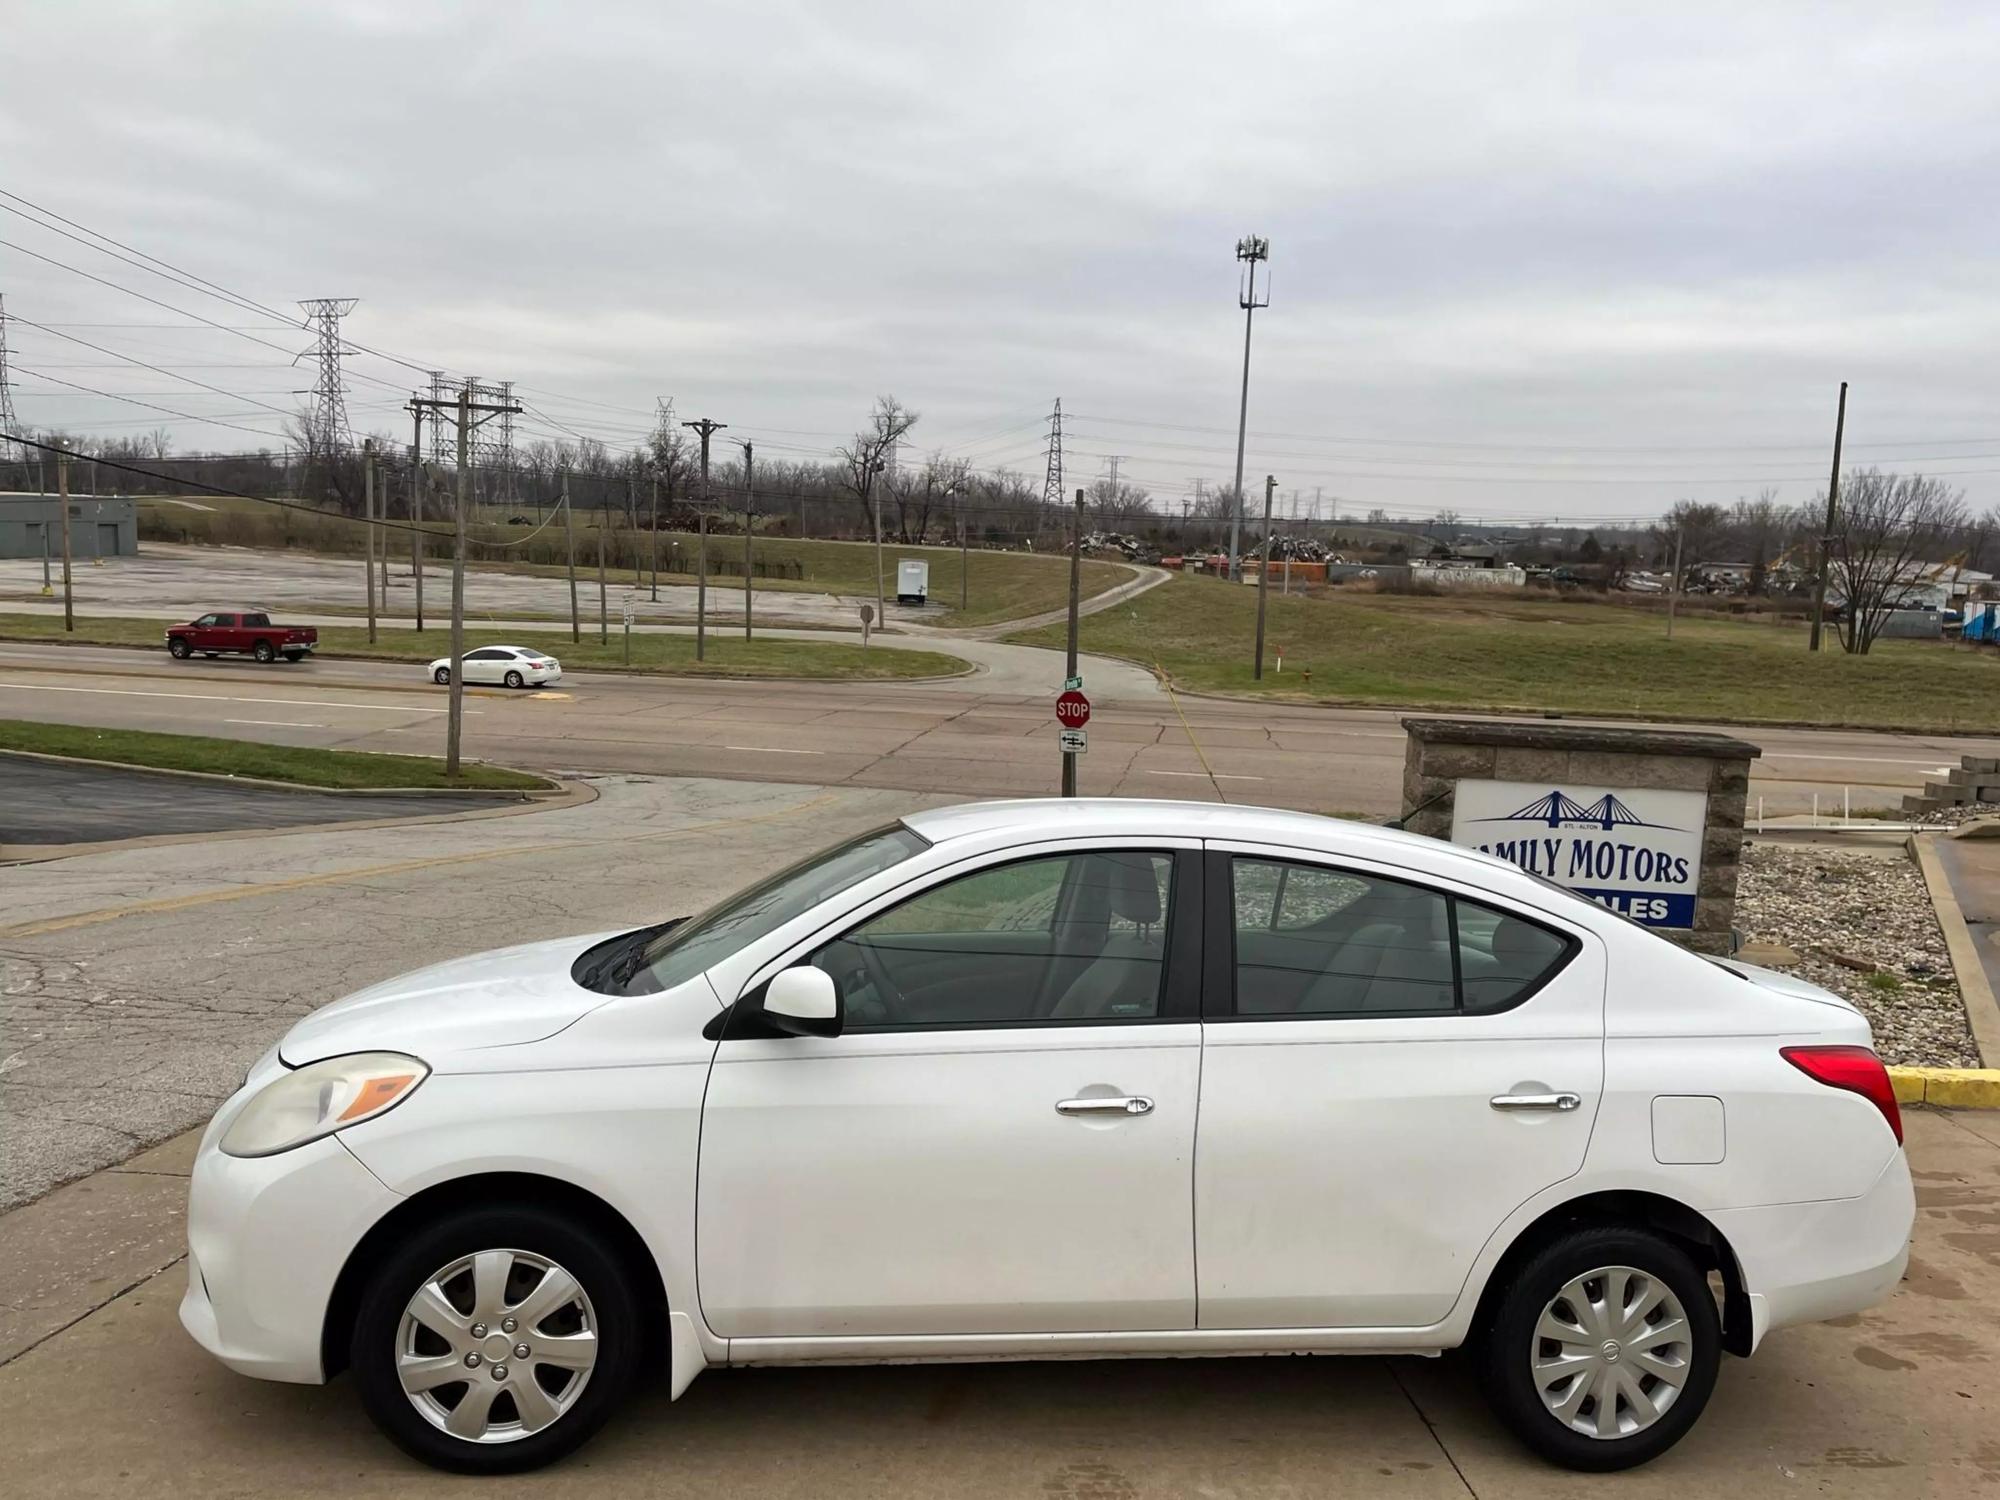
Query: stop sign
[(1073, 710)]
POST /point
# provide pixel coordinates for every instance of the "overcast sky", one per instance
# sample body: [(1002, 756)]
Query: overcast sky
[(1529, 259)]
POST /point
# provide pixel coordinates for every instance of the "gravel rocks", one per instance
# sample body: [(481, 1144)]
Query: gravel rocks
[(1862, 926)]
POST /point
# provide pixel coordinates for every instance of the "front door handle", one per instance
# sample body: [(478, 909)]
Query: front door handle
[(1522, 1103), (1133, 1104)]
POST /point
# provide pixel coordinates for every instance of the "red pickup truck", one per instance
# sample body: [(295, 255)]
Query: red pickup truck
[(244, 632)]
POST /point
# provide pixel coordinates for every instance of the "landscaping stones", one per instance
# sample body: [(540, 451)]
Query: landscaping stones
[(1861, 925)]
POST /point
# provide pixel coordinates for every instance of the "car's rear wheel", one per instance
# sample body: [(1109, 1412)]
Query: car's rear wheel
[(262, 651), (515, 679), (295, 656), (1603, 1348), (179, 650), (496, 1340), (442, 676)]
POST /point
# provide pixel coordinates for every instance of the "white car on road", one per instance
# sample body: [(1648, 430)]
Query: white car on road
[(510, 666), (1075, 1078)]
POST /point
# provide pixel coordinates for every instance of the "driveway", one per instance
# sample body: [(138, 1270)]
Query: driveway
[(102, 1393), (71, 804)]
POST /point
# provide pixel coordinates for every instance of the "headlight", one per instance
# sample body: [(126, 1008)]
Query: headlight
[(321, 1098)]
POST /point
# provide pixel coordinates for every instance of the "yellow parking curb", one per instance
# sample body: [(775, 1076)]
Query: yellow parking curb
[(1948, 1088)]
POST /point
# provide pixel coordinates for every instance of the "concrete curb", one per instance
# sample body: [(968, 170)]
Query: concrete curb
[(1947, 1088), (438, 793), (1982, 1010)]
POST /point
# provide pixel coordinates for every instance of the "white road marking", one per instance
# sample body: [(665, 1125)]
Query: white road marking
[(36, 687), (770, 750), (1879, 760), (1203, 775), (276, 723)]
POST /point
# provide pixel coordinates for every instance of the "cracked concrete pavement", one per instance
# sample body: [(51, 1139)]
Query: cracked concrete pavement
[(137, 985)]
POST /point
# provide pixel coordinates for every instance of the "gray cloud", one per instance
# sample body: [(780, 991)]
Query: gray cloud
[(1537, 258)]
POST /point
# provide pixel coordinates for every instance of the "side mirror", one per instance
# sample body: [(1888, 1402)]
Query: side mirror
[(803, 1002)]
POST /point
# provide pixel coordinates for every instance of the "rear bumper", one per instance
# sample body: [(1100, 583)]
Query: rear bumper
[(1806, 1262)]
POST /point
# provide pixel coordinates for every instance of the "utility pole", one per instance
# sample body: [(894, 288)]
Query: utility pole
[(1251, 249), (1826, 537), (1674, 595), (417, 482), (707, 429), (603, 615), (62, 504), (656, 538), (964, 554), (466, 406), (875, 510), (749, 502), (1075, 595), (368, 507), (1264, 575), (569, 536)]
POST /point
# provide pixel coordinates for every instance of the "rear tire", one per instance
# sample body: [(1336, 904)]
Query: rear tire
[(442, 677), (1638, 1360), (295, 656), (179, 650), (263, 652), (515, 679), (527, 1243)]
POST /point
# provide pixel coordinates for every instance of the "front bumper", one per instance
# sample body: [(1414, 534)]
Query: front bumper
[(267, 1238), (1806, 1262)]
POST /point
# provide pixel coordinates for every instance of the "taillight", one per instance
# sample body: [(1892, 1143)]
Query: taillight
[(1855, 1069)]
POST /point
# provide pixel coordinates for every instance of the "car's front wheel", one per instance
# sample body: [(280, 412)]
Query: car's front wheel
[(1603, 1348), (179, 649), (442, 677), (496, 1340)]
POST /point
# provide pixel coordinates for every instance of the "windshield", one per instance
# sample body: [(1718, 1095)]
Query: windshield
[(677, 955)]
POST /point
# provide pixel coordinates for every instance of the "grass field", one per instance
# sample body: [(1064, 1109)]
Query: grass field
[(1527, 654), (999, 585), (343, 769), (726, 656)]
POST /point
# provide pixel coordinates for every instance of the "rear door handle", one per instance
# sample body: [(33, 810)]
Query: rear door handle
[(1523, 1103), (1133, 1104)]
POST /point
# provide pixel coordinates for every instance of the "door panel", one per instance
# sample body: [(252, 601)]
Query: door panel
[(1351, 1167), (923, 1183)]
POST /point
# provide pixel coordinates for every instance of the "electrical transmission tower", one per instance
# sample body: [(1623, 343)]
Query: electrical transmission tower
[(1052, 487), (441, 432), (9, 423), (327, 435)]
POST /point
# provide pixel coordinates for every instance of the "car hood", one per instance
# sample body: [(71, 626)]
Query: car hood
[(1779, 982), (498, 999)]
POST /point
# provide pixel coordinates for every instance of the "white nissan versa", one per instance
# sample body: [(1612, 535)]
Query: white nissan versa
[(1057, 1078)]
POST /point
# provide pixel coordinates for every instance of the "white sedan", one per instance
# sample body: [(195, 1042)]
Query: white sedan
[(511, 666), (1076, 1079)]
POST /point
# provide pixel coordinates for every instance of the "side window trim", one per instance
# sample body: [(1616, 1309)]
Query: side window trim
[(1219, 930)]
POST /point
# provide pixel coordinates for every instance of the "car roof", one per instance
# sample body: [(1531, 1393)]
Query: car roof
[(1114, 817)]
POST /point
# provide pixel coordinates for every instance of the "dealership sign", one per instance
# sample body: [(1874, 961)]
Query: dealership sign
[(1637, 852)]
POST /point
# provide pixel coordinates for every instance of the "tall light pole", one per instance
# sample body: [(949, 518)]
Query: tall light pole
[(1250, 249)]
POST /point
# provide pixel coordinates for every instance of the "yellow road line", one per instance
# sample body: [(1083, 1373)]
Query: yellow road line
[(369, 872)]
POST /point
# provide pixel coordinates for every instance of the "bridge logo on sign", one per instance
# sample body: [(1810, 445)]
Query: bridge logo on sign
[(1637, 852)]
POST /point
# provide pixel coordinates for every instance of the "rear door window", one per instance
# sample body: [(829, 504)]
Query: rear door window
[(1314, 941)]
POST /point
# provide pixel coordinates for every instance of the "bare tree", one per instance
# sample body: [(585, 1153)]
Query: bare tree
[(867, 453), (1887, 528), (1757, 526), (1121, 506)]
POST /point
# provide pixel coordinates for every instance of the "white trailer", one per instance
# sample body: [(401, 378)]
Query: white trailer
[(913, 581)]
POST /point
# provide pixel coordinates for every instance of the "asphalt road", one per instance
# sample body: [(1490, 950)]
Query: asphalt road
[(48, 803), (931, 737)]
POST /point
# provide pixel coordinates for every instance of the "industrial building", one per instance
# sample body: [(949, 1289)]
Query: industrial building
[(31, 526)]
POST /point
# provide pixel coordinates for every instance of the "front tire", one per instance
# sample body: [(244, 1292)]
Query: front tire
[(437, 1351), (1603, 1350), (442, 677), (179, 650)]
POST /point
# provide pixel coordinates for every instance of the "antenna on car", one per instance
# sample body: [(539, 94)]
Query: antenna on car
[(1427, 802), (1168, 683)]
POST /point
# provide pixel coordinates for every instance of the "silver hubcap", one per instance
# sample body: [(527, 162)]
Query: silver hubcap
[(1612, 1352), (496, 1346)]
